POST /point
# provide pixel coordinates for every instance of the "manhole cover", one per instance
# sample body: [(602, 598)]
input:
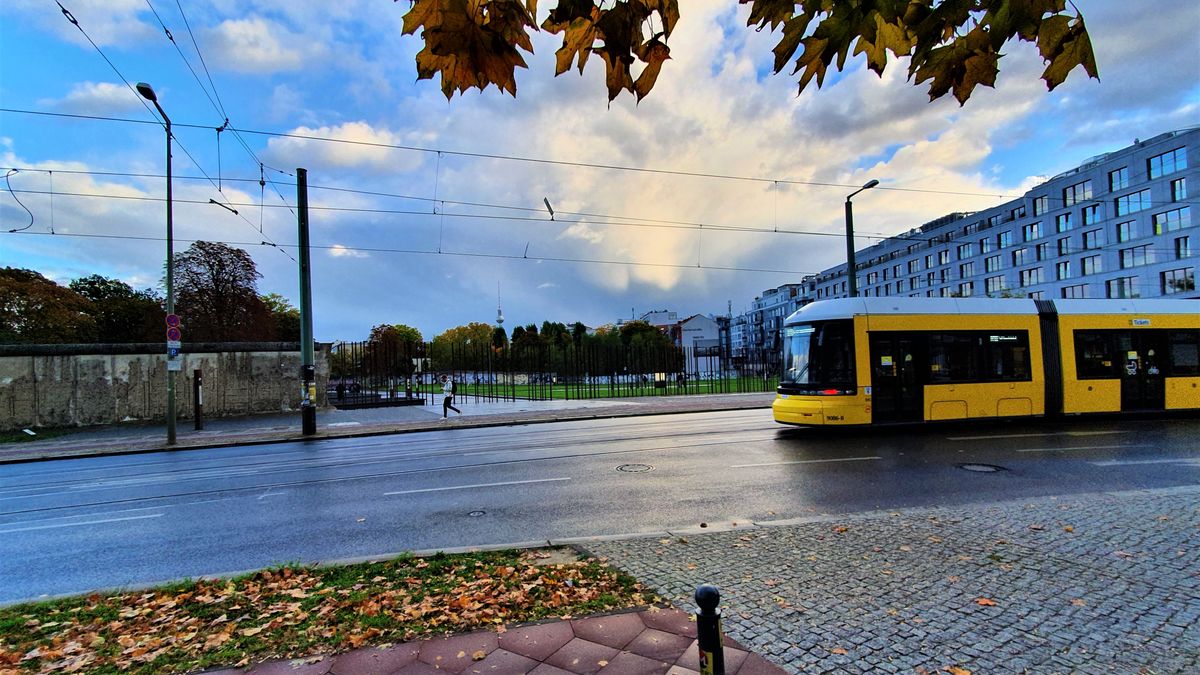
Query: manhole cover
[(634, 468), (981, 468), (476, 514)]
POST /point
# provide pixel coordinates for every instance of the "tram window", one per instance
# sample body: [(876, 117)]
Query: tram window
[(1094, 356), (1185, 353), (978, 357), (952, 358)]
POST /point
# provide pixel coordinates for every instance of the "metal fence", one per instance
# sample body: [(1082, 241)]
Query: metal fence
[(382, 373)]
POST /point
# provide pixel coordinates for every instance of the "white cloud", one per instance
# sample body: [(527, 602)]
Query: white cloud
[(339, 251), (258, 45), (364, 148), (547, 285), (97, 98), (583, 231)]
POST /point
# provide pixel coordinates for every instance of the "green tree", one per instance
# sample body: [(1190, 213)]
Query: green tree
[(499, 338), (391, 349), (34, 309), (122, 314), (463, 347), (216, 291), (285, 318), (952, 44)]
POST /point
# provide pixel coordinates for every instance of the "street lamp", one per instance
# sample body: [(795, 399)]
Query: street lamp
[(853, 287), (147, 92)]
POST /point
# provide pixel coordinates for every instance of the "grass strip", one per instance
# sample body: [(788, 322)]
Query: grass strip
[(296, 612)]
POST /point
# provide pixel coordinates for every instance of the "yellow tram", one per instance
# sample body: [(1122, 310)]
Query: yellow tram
[(858, 361)]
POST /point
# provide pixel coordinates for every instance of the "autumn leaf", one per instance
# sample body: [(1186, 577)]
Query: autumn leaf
[(838, 650), (955, 670), (986, 602)]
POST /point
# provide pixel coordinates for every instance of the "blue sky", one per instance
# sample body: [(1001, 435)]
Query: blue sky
[(342, 70)]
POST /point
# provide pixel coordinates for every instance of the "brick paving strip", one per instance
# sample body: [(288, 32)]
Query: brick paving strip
[(654, 641), (1093, 583)]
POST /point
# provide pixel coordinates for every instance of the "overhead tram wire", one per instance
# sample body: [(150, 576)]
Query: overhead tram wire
[(533, 160), (467, 254), (585, 218), (75, 22), (217, 104)]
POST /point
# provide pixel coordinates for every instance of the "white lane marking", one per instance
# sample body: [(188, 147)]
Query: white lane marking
[(1055, 433), (1193, 461), (343, 424), (1084, 447), (806, 461), (82, 522), (478, 485)]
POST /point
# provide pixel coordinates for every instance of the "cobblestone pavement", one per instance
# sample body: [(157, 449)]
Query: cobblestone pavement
[(1098, 583)]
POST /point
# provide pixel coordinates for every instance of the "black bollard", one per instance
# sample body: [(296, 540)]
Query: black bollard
[(198, 397), (708, 631)]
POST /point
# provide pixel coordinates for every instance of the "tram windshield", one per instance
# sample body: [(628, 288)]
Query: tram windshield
[(818, 356)]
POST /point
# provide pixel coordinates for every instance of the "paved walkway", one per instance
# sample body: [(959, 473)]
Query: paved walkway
[(1100, 583), (650, 642), (333, 423)]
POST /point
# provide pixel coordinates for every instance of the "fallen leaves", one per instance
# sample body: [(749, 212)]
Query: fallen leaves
[(986, 602), (292, 612)]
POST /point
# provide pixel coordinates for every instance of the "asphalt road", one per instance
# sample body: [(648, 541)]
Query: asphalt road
[(75, 525)]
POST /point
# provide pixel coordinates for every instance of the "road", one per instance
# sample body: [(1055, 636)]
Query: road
[(75, 525)]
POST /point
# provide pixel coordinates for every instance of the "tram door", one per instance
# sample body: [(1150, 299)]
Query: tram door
[(1143, 357), (897, 394)]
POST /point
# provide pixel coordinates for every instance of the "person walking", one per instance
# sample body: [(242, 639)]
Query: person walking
[(448, 388)]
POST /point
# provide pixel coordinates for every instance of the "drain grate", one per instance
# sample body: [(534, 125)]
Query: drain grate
[(635, 468), (982, 468), (476, 514)]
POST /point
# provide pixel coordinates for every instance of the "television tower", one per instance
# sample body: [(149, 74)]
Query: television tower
[(499, 311)]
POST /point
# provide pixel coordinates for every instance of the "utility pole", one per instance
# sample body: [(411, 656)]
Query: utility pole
[(308, 404)]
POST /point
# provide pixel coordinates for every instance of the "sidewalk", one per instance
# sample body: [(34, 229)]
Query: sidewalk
[(334, 423)]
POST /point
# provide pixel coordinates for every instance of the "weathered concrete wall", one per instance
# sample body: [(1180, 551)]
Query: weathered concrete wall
[(52, 387)]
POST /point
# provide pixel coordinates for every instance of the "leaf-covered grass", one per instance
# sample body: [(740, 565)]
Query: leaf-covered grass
[(293, 612)]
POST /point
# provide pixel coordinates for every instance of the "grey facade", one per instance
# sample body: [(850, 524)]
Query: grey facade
[(1120, 225)]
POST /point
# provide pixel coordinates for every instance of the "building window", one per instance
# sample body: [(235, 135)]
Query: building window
[(1062, 270), (1018, 212), (1004, 239), (929, 261), (930, 278), (912, 283), (1032, 231), (1091, 214), (992, 264), (1040, 205), (944, 257), (1091, 265), (1119, 179), (1179, 189), (1126, 231), (872, 277), (1122, 287), (986, 245), (1178, 281), (1073, 194), (914, 266), (966, 289), (895, 271), (1043, 251), (1168, 162), (994, 284), (1136, 256), (1036, 295), (944, 292), (1020, 256), (1183, 248), (899, 286), (1079, 291), (1062, 222), (1064, 246), (965, 251), (1093, 239), (944, 274), (1031, 276), (966, 270), (1132, 203), (1169, 221)]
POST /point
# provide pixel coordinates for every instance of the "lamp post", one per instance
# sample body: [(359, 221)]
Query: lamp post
[(853, 283), (147, 92)]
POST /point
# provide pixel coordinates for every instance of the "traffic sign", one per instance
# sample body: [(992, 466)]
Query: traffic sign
[(174, 344), (172, 352), (174, 334), (173, 320)]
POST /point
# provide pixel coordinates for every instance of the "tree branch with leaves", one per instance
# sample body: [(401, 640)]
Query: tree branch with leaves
[(954, 45)]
